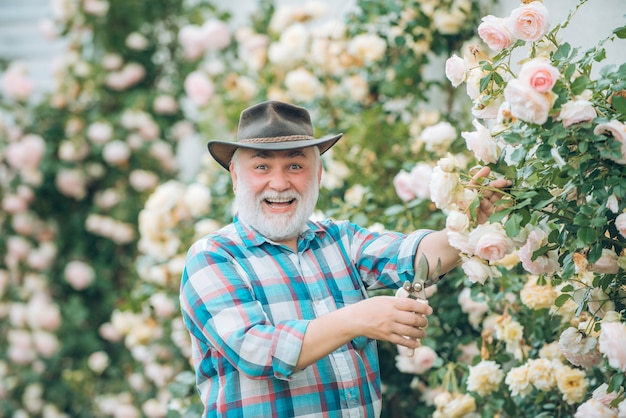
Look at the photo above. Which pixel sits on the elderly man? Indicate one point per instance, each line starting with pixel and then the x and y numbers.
pixel 276 305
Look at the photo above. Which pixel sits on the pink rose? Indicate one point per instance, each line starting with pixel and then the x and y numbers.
pixel 199 88
pixel 421 361
pixel 616 129
pixel 27 153
pixel 526 103
pixel 607 263
pixel 495 32
pixel 404 189
pixel 79 274
pixel 539 75
pixel 612 342
pixel 481 143
pixel 15 82
pixel 490 241
pixel 577 111
pixel 478 271
pixel 579 348
pixel 456 70
pixel 596 409
pixel 530 21
pixel 216 35
pixel 620 224
pixel 544 264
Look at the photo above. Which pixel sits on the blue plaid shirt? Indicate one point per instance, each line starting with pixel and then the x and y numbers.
pixel 247 303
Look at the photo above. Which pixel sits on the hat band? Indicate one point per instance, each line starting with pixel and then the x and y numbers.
pixel 288 138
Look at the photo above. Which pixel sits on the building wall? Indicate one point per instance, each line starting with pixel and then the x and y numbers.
pixel 21 39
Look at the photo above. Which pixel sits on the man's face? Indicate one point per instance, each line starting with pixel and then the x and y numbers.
pixel 276 191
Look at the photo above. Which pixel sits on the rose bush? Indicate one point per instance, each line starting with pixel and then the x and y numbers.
pixel 95 226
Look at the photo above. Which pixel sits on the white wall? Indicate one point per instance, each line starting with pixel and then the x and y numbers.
pixel 21 39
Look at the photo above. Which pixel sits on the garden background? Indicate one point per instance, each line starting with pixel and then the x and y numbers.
pixel 105 181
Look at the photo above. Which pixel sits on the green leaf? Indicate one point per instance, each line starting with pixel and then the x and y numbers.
pixel 619 104
pixel 561 299
pixel 580 84
pixel 620 32
pixel 586 235
pixel 562 52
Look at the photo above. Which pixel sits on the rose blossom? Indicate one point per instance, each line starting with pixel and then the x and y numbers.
pixel 15 82
pixel 495 32
pixel 439 136
pixel 620 224
pixel 79 274
pixel 544 264
pixel 165 105
pixel 72 183
pixel 594 408
pixel 607 263
pixel 136 41
pixel 481 143
pixel 617 130
pixel 216 35
pixel 199 88
pixel 485 377
pixel 421 361
pixel 454 405
pixel 579 348
pixel 572 383
pixel 116 153
pixel 478 271
pixel 302 85
pixel 541 374
pixel 27 153
pixel 530 21
pixel 518 381
pixel 526 103
pixel 367 47
pixel 539 75
pixel 612 342
pixel 100 132
pixel 537 297
pixel 490 241
pixel 456 70
pixel 443 187
pixel 577 111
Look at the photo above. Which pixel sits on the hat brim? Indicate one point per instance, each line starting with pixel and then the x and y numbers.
pixel 223 151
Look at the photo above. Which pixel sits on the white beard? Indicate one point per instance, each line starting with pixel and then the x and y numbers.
pixel 275 227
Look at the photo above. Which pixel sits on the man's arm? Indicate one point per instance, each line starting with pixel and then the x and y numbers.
pixel 435 246
pixel 384 318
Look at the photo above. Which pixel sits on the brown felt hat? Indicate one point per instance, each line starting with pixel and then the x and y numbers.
pixel 272 126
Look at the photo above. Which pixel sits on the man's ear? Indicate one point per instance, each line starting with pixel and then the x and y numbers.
pixel 233 175
pixel 320 169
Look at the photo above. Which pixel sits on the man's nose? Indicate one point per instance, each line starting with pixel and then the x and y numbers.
pixel 279 181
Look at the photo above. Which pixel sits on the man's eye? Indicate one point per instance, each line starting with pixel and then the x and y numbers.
pixel 295 166
pixel 261 167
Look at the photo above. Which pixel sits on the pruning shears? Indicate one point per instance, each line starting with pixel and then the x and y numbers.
pixel 417 288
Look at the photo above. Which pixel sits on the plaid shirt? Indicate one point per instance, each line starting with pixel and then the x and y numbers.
pixel 247 303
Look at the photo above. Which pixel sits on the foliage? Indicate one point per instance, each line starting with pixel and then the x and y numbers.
pixel 102 256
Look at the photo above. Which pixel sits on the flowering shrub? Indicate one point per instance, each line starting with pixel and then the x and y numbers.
pixel 95 228
pixel 557 131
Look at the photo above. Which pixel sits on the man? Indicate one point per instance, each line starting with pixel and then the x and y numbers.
pixel 275 304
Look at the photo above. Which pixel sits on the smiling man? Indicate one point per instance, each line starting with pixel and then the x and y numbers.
pixel 276 305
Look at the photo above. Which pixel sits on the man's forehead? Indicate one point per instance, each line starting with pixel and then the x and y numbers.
pixel 291 153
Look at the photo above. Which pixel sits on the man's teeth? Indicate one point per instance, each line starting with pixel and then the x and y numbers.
pixel 284 200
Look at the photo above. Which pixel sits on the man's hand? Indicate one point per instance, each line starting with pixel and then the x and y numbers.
pixel 400 321
pixel 489 196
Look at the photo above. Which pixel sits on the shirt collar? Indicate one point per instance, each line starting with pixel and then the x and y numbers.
pixel 250 237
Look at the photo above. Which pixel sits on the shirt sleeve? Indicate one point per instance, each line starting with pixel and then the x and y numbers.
pixel 220 309
pixel 384 260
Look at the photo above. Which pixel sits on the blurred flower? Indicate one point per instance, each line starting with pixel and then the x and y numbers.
pixel 15 82
pixel 572 383
pixel 422 360
pixel 612 342
pixel 199 88
pixel 579 348
pixel 79 274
